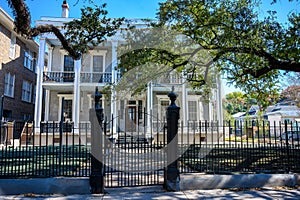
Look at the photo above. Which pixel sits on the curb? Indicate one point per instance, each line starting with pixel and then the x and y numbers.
pixel 59 185
pixel 243 181
pixel 189 181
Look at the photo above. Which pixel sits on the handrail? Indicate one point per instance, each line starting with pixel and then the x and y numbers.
pixel 59 76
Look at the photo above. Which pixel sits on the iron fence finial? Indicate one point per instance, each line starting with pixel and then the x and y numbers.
pixel 172 95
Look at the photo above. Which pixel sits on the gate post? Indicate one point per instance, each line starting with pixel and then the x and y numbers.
pixel 97 167
pixel 172 177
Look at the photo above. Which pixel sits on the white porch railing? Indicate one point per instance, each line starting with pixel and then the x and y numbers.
pixel 169 79
pixel 106 77
pixel 85 77
pixel 59 77
pixel 175 78
pixel 95 77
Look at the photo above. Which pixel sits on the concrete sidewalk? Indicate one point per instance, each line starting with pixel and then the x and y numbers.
pixel 156 192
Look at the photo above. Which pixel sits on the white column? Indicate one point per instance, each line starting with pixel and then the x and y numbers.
pixel 219 101
pixel 210 110
pixel 47 94
pixel 47 105
pixel 50 58
pixel 76 98
pixel 114 81
pixel 149 104
pixel 114 60
pixel 39 86
pixel 184 100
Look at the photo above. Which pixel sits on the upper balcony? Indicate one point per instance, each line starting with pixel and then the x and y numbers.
pixel 175 78
pixel 170 78
pixel 85 77
pixel 58 77
pixel 95 77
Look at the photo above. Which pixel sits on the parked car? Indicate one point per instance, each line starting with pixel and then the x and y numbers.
pixel 291 136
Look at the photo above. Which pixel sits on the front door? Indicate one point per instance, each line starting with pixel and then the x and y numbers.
pixel 131 118
pixel 68 110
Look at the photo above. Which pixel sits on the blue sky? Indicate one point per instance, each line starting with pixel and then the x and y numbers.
pixel 116 8
pixel 130 8
pixel 136 9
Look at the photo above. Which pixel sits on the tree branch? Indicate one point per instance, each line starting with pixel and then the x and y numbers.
pixel 274 64
pixel 22 26
pixel 50 28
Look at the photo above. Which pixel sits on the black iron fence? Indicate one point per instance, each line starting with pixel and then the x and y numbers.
pixel 51 152
pixel 210 147
pixel 134 155
pixel 240 147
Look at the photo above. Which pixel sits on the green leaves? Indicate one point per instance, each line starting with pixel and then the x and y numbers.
pixel 158 52
pixel 220 25
pixel 235 102
pixel 247 49
pixel 91 29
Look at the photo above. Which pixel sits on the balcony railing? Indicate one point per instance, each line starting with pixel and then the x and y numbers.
pixel 95 77
pixel 85 77
pixel 106 77
pixel 169 79
pixel 59 77
pixel 176 78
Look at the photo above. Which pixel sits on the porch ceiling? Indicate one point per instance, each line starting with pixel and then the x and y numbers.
pixel 51 39
pixel 91 87
pixel 59 87
pixel 54 42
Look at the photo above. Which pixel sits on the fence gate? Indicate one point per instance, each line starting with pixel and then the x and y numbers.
pixel 135 155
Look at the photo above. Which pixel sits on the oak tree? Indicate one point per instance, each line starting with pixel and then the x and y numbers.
pixel 248 49
pixel 92 28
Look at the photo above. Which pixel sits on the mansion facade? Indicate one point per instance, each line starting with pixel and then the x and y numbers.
pixel 74 81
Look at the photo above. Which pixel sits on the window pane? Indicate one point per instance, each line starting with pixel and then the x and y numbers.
pixel 68 64
pixel 69 69
pixel 26 91
pixel 25 59
pixel 9 84
pixel 68 110
pixel 192 108
pixel 140 109
pixel 97 63
pixel 34 94
pixel 28 60
pixel 6 89
pixel 122 109
pixel 163 105
pixel 12 49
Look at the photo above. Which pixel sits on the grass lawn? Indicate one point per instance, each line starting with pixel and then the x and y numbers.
pixel 42 161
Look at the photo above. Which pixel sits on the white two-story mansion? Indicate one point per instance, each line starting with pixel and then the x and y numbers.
pixel 76 80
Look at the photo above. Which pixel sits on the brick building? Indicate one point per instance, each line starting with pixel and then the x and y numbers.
pixel 17 71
